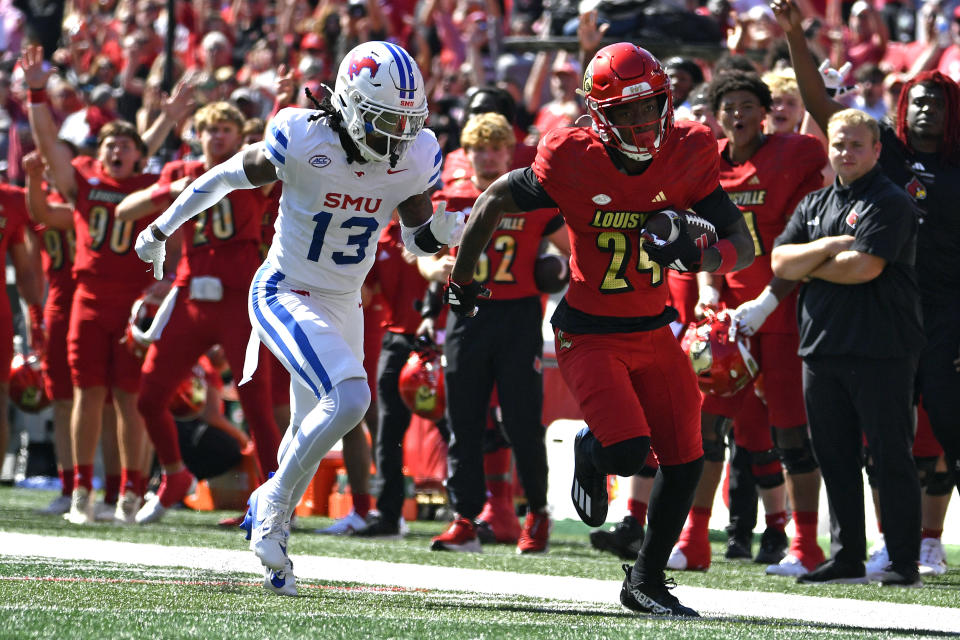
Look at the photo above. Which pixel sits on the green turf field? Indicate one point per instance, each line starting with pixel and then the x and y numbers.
pixel 79 599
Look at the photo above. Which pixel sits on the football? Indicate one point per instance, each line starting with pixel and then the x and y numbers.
pixel 664 227
pixel 551 273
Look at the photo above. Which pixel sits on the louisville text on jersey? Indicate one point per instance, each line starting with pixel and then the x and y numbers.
pixel 748 198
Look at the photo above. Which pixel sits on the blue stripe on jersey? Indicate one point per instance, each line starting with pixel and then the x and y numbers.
pixel 276 154
pixel 439 157
pixel 433 178
pixel 303 343
pixel 271 292
pixel 282 139
pixel 405 69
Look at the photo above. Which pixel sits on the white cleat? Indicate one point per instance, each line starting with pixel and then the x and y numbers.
pixel 57 507
pixel 151 511
pixel 677 560
pixel 267 529
pixel 281 582
pixel 345 525
pixel 790 566
pixel 81 507
pixel 127 507
pixel 933 559
pixel 103 512
pixel 879 558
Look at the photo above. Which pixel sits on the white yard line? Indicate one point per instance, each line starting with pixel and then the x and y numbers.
pixel 715 602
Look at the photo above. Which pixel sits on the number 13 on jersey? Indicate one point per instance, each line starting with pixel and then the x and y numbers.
pixel 359 240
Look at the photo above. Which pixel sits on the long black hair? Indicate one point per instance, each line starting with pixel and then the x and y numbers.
pixel 335 120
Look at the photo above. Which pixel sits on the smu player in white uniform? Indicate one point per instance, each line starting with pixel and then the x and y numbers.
pixel 345 169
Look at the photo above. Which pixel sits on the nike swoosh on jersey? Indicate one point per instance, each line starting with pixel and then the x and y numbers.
pixel 195 190
pixel 393 171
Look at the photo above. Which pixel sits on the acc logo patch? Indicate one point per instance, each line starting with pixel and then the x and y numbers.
pixel 319 161
pixel 601 199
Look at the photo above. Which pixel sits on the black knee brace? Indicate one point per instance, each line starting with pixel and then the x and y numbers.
pixel 766 468
pixel 624 458
pixel 647 472
pixel 715 429
pixel 926 467
pixel 793 446
pixel 940 483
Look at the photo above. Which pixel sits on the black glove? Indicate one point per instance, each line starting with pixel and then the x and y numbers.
pixel 462 298
pixel 682 254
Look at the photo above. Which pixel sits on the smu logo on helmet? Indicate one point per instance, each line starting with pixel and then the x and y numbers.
pixel 359 63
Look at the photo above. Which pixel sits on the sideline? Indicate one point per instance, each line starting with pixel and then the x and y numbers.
pixel 709 602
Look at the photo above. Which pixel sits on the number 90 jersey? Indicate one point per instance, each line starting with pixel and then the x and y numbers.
pixel 605 209
pixel 331 211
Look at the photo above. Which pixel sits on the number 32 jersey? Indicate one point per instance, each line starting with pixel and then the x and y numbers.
pixel 331 211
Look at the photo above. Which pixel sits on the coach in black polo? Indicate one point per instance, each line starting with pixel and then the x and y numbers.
pixel 854 244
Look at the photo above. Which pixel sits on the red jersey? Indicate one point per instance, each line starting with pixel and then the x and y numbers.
pixel 13 218
pixel 604 210
pixel 224 240
pixel 105 245
pixel 456 164
pixel 506 265
pixel 767 188
pixel 401 284
pixel 268 219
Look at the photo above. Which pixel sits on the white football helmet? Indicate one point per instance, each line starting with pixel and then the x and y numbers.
pixel 380 94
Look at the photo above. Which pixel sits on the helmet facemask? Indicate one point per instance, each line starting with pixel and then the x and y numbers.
pixel 643 138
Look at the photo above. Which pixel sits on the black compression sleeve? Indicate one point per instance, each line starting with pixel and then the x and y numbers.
pixel 527 191
pixel 718 209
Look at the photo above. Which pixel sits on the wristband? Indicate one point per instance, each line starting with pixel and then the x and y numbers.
pixel 157 234
pixel 728 256
pixel 36 96
pixel 160 195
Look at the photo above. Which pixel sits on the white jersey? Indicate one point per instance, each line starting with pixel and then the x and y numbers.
pixel 331 211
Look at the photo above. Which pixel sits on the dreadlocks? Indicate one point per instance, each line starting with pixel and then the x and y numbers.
pixel 950 149
pixel 335 120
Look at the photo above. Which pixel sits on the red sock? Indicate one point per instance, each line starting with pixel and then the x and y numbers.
pixel 700 520
pixel 498 464
pixel 806 524
pixel 83 476
pixel 66 482
pixel 931 533
pixel 638 510
pixel 777 521
pixel 111 488
pixel 131 480
pixel 361 504
pixel 174 487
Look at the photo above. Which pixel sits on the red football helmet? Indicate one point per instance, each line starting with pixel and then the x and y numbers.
pixel 191 395
pixel 421 384
pixel 27 389
pixel 142 313
pixel 622 73
pixel 723 366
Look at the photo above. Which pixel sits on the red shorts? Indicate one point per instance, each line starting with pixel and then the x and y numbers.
pixel 776 353
pixel 925 445
pixel 635 384
pixel 6 343
pixel 751 430
pixel 56 369
pixel 96 356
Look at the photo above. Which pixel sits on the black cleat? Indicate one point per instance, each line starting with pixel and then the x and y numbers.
pixel 738 549
pixel 836 572
pixel 773 547
pixel 379 527
pixel 589 491
pixel 622 539
pixel 652 597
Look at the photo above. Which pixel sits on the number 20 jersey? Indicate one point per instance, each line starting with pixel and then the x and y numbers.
pixel 332 211
pixel 605 209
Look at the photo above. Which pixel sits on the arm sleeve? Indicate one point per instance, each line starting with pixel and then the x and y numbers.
pixel 527 191
pixel 718 209
pixel 554 224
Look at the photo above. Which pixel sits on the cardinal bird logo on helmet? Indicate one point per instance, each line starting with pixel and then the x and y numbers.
pixel 358 63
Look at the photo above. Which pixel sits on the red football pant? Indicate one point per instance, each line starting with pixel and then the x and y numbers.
pixel 635 384
pixel 96 356
pixel 56 369
pixel 193 328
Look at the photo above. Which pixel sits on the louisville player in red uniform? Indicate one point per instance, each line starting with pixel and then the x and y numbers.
pixel 614 344
pixel 503 346
pixel 221 252
pixel 58 248
pixel 766 176
pixel 14 224
pixel 109 278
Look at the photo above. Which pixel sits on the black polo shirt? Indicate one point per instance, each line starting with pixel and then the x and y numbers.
pixel 876 319
pixel 934 186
